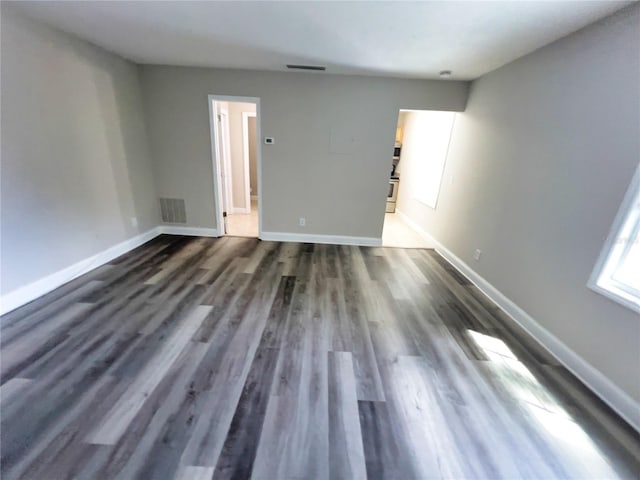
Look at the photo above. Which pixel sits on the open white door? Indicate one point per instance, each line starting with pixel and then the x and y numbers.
pixel 222 161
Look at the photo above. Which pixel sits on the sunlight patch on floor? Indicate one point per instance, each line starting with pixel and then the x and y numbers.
pixel 541 404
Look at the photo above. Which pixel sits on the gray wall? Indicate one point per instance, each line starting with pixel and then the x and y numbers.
pixel 75 161
pixel 333 142
pixel 538 165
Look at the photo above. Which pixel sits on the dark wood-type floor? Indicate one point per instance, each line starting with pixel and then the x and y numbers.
pixel 198 358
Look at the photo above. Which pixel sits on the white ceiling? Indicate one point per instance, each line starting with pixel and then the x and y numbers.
pixel 392 38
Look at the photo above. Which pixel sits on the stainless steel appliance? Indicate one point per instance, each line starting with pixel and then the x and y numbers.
pixel 394 181
pixel 397 147
pixel 396 158
pixel 392 195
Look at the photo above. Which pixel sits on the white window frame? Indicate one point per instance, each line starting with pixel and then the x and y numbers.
pixel 624 229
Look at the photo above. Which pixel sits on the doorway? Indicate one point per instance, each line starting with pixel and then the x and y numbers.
pixel 235 125
pixel 416 171
pixel 395 231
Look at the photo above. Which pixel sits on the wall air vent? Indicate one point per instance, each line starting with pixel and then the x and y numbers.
pixel 307 67
pixel 173 210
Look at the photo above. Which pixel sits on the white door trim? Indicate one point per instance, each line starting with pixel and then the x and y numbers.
pixel 217 187
pixel 226 156
pixel 215 159
pixel 245 156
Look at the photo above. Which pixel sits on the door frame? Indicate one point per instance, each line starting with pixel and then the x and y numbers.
pixel 245 155
pixel 215 160
pixel 224 149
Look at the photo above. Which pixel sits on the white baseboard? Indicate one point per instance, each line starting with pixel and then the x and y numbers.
pixel 416 228
pixel 604 388
pixel 189 231
pixel 30 292
pixel 330 239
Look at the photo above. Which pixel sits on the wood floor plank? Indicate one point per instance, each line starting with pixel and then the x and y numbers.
pixel 48 404
pixel 618 441
pixel 258 255
pixel 244 326
pixel 353 274
pixel 390 333
pixel 153 444
pixel 273 334
pixel 175 306
pixel 38 318
pixel 60 453
pixel 455 284
pixel 289 255
pixel 12 387
pixel 33 312
pixel 211 358
pixel 346 453
pixel 384 446
pixel 218 258
pixel 295 438
pixel 26 349
pixel 117 304
pixel 117 420
pixel 241 444
pixel 226 287
pixel 463 392
pixel 30 430
pixel 196 473
pixel 341 340
pixel 416 415
pixel 176 261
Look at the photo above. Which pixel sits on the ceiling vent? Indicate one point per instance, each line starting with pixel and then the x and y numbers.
pixel 307 67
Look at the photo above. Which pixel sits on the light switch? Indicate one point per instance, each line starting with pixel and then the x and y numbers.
pixel 269 140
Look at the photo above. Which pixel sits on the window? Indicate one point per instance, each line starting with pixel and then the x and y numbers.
pixel 617 273
pixel 429 133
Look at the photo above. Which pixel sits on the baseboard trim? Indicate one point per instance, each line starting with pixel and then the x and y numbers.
pixel 416 228
pixel 328 239
pixel 599 384
pixel 189 231
pixel 34 290
pixel 31 291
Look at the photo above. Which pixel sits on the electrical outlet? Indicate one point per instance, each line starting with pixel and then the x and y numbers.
pixel 134 222
pixel 477 254
pixel 302 221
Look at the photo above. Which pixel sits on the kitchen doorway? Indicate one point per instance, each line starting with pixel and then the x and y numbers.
pixel 235 145
pixel 398 230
